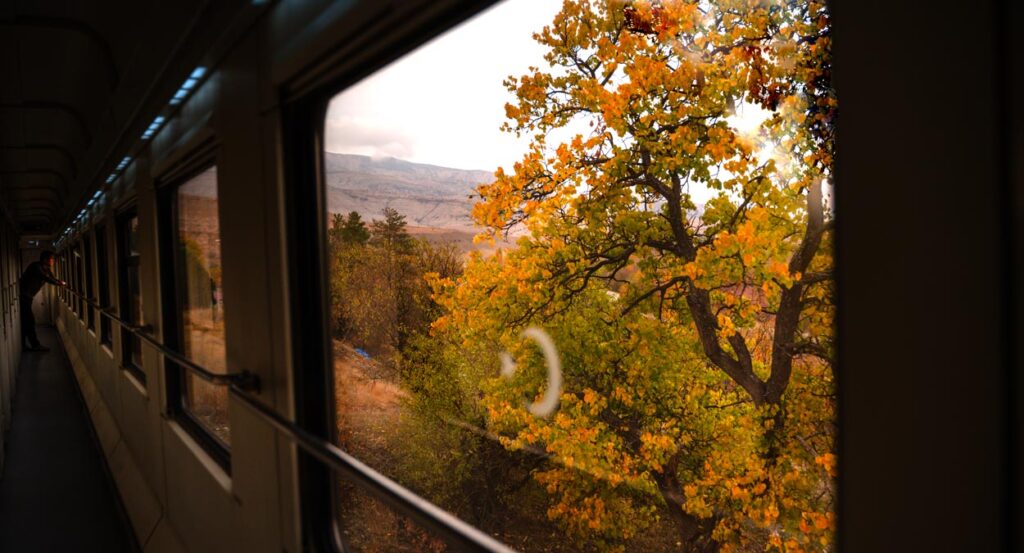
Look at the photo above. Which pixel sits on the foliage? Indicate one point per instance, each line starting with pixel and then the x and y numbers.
pixel 683 268
pixel 199 276
pixel 379 296
pixel 705 379
pixel 390 232
pixel 348 231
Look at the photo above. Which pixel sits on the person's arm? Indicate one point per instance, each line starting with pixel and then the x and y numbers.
pixel 48 277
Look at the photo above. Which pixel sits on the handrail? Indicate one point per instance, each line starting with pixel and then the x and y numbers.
pixel 447 526
pixel 245 380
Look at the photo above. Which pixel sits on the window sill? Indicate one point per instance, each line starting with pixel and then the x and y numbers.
pixel 209 463
pixel 129 374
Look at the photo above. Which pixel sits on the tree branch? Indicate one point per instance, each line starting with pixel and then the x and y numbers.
pixel 788 316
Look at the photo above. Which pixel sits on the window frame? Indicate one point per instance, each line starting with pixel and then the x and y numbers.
pixel 66 277
pixel 105 327
pixel 124 261
pixel 4 278
pixel 172 292
pixel 303 116
pixel 60 274
pixel 89 280
pixel 78 268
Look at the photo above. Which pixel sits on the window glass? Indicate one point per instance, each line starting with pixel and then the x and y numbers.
pixel 580 288
pixel 131 292
pixel 79 281
pixel 65 294
pixel 61 274
pixel 103 277
pixel 202 300
pixel 4 279
pixel 89 290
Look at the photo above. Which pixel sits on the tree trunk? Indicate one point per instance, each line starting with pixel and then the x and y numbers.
pixel 694 533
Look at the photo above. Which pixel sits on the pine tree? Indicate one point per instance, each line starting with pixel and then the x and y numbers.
pixel 390 233
pixel 354 231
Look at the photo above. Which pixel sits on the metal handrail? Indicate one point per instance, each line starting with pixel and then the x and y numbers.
pixel 449 527
pixel 446 525
pixel 245 380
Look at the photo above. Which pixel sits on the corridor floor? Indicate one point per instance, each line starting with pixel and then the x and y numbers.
pixel 55 493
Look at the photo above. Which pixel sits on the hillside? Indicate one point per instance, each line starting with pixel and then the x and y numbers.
pixel 428 195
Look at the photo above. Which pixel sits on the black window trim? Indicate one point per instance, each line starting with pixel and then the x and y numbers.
pixel 121 219
pixel 303 114
pixel 89 280
pixel 103 295
pixel 78 259
pixel 5 288
pixel 198 161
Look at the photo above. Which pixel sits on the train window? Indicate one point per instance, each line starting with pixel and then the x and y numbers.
pixel 103 278
pixel 130 288
pixel 5 290
pixel 71 278
pixel 8 296
pixel 64 275
pixel 59 271
pixel 7 279
pixel 68 297
pixel 73 282
pixel 60 274
pixel 79 280
pixel 87 256
pixel 580 288
pixel 200 306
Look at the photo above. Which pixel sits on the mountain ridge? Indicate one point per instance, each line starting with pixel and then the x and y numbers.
pixel 428 195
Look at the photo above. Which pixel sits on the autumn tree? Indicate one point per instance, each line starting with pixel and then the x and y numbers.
pixel 379 296
pixel 719 245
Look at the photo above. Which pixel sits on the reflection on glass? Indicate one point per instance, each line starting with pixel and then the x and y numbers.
pixel 202 300
pixel 103 274
pixel 132 296
pixel 89 293
pixel 135 310
pixel 79 285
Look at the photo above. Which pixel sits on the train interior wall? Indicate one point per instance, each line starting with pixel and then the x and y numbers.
pixel 10 328
pixel 177 497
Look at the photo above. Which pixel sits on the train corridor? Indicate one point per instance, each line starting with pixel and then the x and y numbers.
pixel 55 491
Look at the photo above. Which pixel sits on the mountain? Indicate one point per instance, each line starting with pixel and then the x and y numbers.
pixel 428 195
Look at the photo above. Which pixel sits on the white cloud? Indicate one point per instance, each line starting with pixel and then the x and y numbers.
pixel 354 135
pixel 444 103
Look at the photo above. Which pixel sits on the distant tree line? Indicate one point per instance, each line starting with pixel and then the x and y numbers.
pixel 379 293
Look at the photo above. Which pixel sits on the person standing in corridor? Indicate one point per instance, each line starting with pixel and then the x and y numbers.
pixel 32 280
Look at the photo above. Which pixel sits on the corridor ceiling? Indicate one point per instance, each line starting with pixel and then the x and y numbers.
pixel 78 80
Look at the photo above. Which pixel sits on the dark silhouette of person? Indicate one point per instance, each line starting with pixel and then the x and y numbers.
pixel 36 274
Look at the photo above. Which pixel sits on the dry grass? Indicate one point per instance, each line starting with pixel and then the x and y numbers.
pixel 368 404
pixel 369 410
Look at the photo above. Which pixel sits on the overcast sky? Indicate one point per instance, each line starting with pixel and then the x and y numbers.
pixel 444 103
